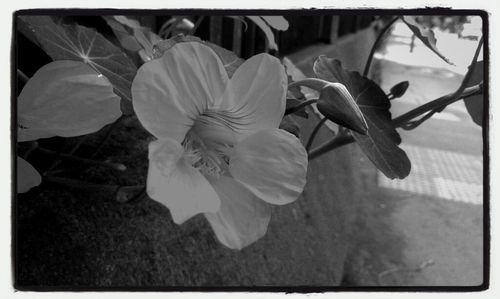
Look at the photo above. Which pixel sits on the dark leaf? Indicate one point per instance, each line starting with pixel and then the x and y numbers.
pixel 336 103
pixel 380 143
pixel 75 42
pixel 426 35
pixel 230 60
pixel 474 104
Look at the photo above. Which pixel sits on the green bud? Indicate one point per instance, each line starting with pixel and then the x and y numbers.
pixel 399 89
pixel 336 103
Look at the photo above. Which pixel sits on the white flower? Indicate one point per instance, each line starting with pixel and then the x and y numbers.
pixel 63 98
pixel 219 150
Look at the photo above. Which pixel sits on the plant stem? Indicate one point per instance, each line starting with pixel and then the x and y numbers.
pixel 443 101
pixel 314 133
pixel 196 25
pixel 111 129
pixel 71 152
pixel 435 104
pixel 376 44
pixel 300 106
pixel 115 166
pixel 334 143
pixel 313 83
pixel 90 186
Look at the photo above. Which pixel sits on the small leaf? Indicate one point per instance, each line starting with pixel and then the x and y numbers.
pixel 277 22
pixel 239 19
pixel 266 29
pixel 380 142
pixel 336 104
pixel 475 104
pixel 27 176
pixel 426 35
pixel 229 59
pixel 127 40
pixel 65 98
pixel 75 42
pixel 143 36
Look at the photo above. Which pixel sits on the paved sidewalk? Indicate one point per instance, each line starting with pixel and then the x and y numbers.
pixel 440 212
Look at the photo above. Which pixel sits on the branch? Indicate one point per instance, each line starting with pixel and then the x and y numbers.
pixel 314 133
pixel 115 166
pixel 300 106
pixel 435 104
pixel 376 44
pixel 122 193
pixel 342 140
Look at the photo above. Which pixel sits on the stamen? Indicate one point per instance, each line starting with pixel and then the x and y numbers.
pixel 208 157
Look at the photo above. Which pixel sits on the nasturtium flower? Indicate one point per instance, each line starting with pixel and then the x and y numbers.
pixel 218 150
pixel 63 98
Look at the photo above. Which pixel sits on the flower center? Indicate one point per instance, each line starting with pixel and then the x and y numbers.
pixel 207 145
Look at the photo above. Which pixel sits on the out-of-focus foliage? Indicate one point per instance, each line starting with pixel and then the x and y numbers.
pixel 425 34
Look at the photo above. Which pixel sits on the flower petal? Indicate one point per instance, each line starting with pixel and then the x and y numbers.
pixel 242 218
pixel 176 184
pixel 272 164
pixel 27 176
pixel 65 98
pixel 255 98
pixel 170 92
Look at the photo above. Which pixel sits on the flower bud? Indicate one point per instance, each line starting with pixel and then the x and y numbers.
pixel 399 89
pixel 337 105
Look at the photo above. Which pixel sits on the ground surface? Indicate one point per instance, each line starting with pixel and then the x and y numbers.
pixel 426 230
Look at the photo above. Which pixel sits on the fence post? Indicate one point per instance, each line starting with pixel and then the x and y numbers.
pixel 334 31
pixel 237 26
pixel 216 30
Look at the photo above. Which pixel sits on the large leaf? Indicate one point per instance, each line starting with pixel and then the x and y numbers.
pixel 229 59
pixel 65 98
pixel 380 142
pixel 475 104
pixel 75 42
pixel 426 35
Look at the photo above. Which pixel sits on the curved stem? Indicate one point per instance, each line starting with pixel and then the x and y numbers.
pixel 71 152
pixel 313 83
pixel 435 104
pixel 115 166
pixel 341 140
pixel 314 133
pixel 89 186
pixel 334 143
pixel 196 25
pixel 111 129
pixel 376 44
pixel 300 106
